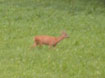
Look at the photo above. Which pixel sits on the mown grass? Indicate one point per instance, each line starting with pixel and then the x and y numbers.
pixel 80 56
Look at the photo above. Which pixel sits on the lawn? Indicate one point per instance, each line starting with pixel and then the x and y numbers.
pixel 82 55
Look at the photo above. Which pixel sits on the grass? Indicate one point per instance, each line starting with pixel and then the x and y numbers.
pixel 80 56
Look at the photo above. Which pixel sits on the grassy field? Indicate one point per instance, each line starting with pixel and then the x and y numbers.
pixel 80 56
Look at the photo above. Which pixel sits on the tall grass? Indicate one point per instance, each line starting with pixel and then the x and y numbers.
pixel 80 56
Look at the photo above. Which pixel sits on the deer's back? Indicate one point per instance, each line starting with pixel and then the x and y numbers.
pixel 46 39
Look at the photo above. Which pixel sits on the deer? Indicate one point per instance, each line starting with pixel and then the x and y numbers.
pixel 51 41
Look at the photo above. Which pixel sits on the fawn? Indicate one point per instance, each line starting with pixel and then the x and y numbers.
pixel 51 41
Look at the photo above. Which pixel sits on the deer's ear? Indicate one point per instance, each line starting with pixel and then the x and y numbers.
pixel 63 32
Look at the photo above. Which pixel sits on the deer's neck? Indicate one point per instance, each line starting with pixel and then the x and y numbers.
pixel 59 39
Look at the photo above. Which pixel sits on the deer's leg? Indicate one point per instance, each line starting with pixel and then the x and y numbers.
pixel 54 45
pixel 51 45
pixel 34 45
pixel 40 43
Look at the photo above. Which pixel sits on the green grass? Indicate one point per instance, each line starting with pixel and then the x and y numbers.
pixel 80 56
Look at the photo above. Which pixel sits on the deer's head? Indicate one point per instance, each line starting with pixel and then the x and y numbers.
pixel 65 35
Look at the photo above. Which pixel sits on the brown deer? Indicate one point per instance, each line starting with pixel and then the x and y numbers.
pixel 51 41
